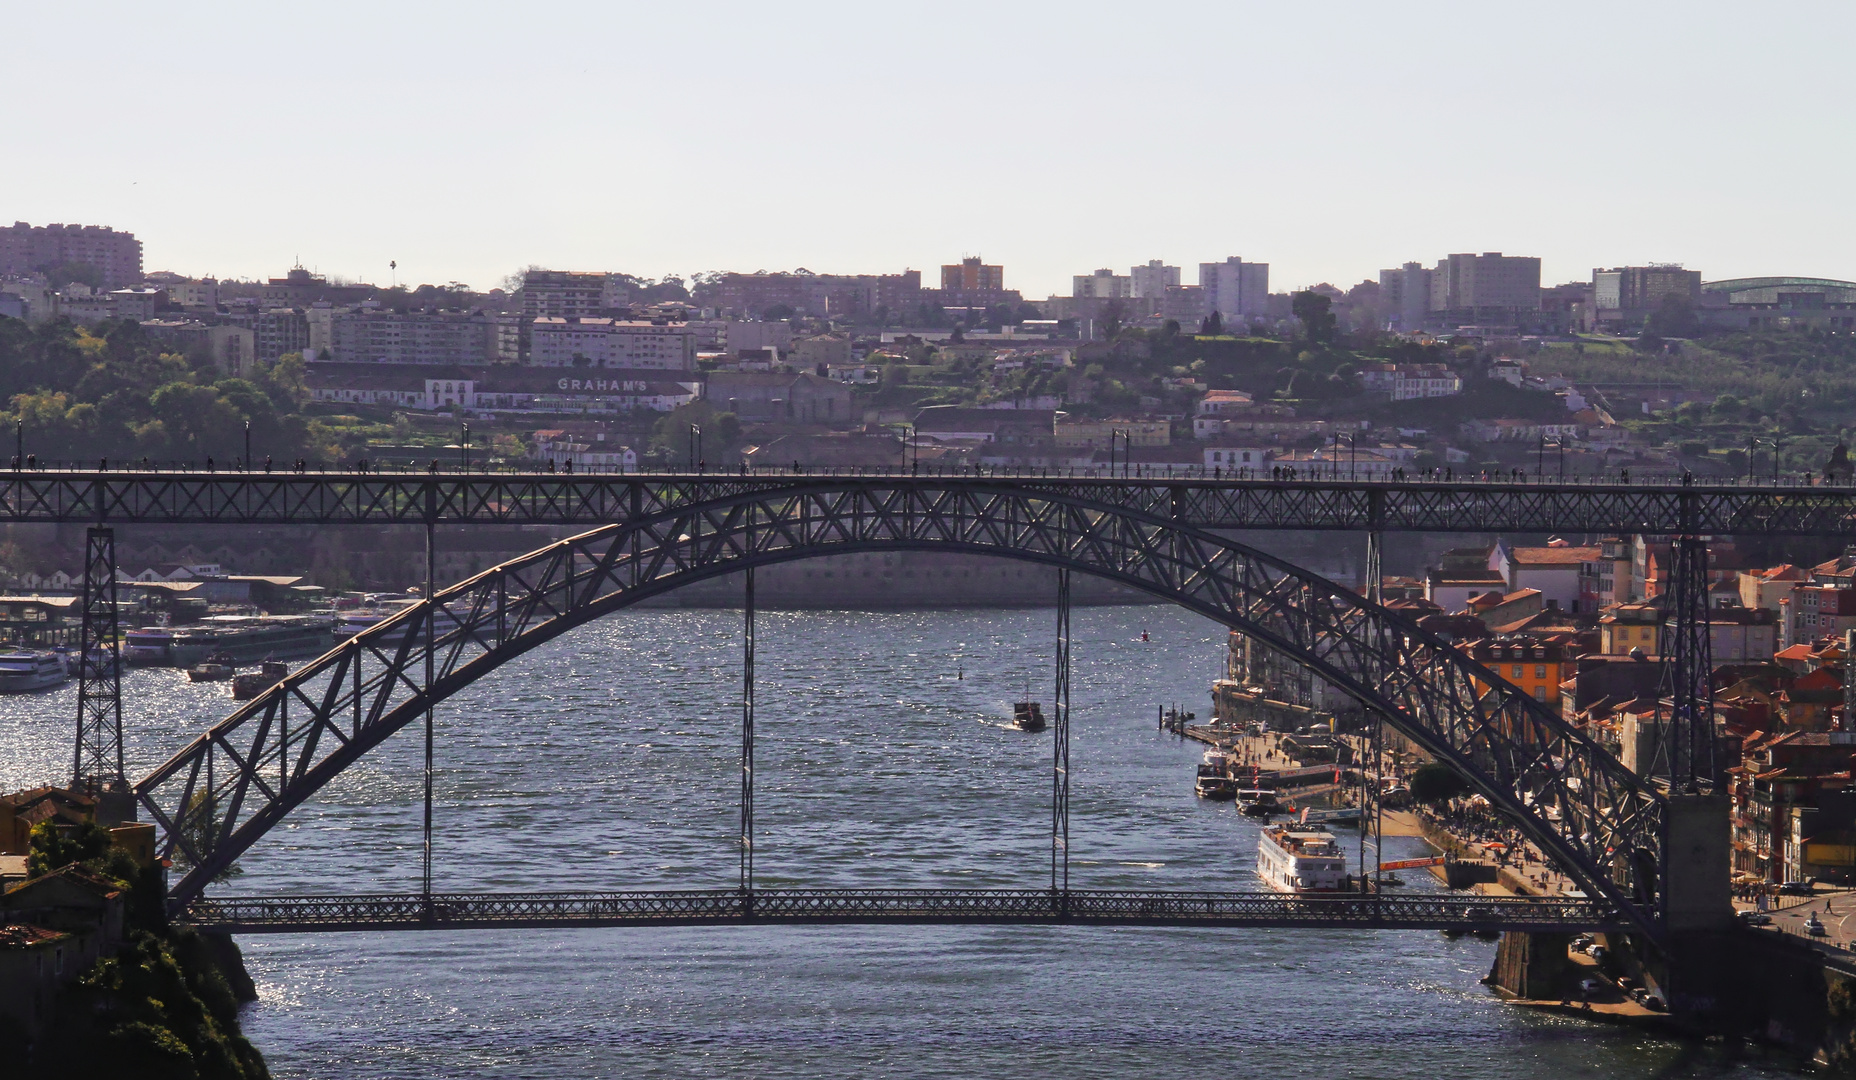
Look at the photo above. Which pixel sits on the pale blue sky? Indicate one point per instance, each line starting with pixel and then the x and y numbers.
pixel 467 140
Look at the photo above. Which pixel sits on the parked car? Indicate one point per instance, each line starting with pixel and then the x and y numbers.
pixel 1755 918
pixel 1592 984
pixel 1797 888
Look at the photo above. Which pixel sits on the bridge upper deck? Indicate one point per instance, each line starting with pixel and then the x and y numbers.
pixel 1586 505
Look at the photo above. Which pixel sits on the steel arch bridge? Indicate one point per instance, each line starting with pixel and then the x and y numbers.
pixel 233 783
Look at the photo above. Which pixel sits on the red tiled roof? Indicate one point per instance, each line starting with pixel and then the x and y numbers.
pixel 1552 556
pixel 26 935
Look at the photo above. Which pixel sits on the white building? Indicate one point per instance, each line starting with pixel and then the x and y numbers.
pixel 1151 282
pixel 1237 290
pixel 612 343
pixel 1405 296
pixel 1553 569
pixel 1406 382
pixel 1104 284
pixel 1236 457
pixel 565 448
pixel 502 388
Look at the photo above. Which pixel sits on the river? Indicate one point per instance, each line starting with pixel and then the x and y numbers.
pixel 608 760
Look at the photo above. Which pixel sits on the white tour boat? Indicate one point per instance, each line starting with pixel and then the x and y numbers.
pixel 1301 859
pixel 23 671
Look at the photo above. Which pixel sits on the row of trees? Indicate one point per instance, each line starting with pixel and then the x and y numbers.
pixel 111 392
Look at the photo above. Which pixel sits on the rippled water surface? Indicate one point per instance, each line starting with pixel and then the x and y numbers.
pixel 608 760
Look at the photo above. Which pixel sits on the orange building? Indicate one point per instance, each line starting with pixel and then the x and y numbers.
pixel 972 275
pixel 1536 667
pixel 1624 627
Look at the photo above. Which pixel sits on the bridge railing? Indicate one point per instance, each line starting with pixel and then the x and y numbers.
pixel 1134 907
pixel 1325 472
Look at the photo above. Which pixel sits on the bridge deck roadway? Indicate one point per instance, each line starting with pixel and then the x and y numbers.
pixel 1587 505
pixel 722 907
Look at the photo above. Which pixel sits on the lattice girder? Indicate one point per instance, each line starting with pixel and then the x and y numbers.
pixel 221 793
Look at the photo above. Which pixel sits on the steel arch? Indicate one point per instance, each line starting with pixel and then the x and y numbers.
pixel 237 780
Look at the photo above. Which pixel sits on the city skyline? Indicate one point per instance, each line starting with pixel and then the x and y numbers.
pixel 746 140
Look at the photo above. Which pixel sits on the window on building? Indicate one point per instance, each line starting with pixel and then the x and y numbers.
pixel 1540 671
pixel 1517 671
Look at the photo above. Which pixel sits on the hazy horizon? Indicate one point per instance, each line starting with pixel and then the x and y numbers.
pixel 469 143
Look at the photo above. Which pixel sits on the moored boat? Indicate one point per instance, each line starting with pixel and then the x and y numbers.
pixel 247 639
pixel 1301 859
pixel 23 671
pixel 360 620
pixel 1213 784
pixel 1259 802
pixel 147 645
pixel 102 660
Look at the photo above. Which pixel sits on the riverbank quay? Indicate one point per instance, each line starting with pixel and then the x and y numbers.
pixel 1778 985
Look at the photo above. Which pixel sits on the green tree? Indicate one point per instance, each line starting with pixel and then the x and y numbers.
pixel 1434 783
pixel 721 431
pixel 50 847
pixel 1312 309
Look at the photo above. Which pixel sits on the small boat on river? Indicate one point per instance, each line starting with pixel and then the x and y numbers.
pixel 1028 716
pixel 250 685
pixel 215 668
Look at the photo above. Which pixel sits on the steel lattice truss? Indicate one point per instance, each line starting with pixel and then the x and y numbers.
pixel 221 793
pixel 553 499
pixel 460 911
pixel 97 764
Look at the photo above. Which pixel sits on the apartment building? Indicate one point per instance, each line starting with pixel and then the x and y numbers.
pixel 1405 296
pixel 229 348
pixel 566 294
pixel 1819 611
pixel 1623 297
pixel 275 332
pixel 26 249
pixel 612 343
pixel 1536 666
pixel 1104 284
pixel 1490 289
pixel 972 274
pixel 1237 290
pixel 1150 282
pixel 1082 432
pixel 390 337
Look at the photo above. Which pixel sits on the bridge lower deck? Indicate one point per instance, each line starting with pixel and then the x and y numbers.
pixel 724 907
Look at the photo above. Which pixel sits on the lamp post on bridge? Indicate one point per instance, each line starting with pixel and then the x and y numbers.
pixel 464 444
pixel 248 444
pixel 695 444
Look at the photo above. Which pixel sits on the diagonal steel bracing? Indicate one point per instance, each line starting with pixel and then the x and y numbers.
pixel 1574 799
pixel 1592 505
